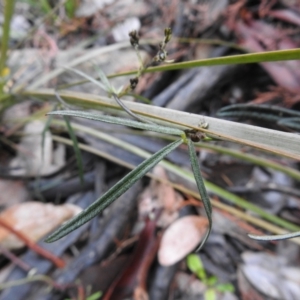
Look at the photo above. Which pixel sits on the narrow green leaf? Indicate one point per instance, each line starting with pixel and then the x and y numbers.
pixel 117 120
pixel 106 86
pixel 113 193
pixel 104 79
pixel 61 100
pixel 90 78
pixel 266 56
pixel 76 149
pixel 132 114
pixel 201 188
pixel 275 237
pixel 8 11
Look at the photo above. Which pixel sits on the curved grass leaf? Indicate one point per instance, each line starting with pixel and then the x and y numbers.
pixel 135 116
pixel 106 86
pixel 113 193
pixel 201 188
pixel 90 78
pixel 275 237
pixel 64 104
pixel 117 120
pixel 104 79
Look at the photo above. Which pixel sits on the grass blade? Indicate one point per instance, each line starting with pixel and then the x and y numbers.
pixel 104 79
pixel 90 78
pixel 261 138
pixel 106 86
pixel 275 237
pixel 8 13
pixel 117 120
pixel 113 193
pixel 76 149
pixel 135 116
pixel 258 57
pixel 202 190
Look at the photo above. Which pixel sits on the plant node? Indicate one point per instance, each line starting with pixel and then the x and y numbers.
pixel 194 135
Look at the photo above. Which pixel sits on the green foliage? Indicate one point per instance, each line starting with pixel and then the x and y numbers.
pixel 201 187
pixel 195 265
pixel 95 296
pixel 46 7
pixel 225 287
pixel 71 6
pixel 8 13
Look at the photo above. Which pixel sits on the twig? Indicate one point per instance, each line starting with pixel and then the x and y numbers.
pixel 13 258
pixel 32 245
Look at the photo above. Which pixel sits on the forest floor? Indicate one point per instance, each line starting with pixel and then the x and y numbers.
pixel 143 245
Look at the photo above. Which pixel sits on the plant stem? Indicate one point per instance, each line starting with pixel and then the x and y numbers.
pixel 8 12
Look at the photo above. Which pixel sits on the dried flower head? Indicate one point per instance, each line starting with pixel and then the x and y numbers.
pixel 133 82
pixel 168 35
pixel 134 38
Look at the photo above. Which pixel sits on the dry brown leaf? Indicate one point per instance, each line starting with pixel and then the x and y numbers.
pixel 164 192
pixel 33 219
pixel 34 159
pixel 160 196
pixel 181 238
pixel 12 192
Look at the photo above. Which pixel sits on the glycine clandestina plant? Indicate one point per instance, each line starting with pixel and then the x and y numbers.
pixel 187 136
